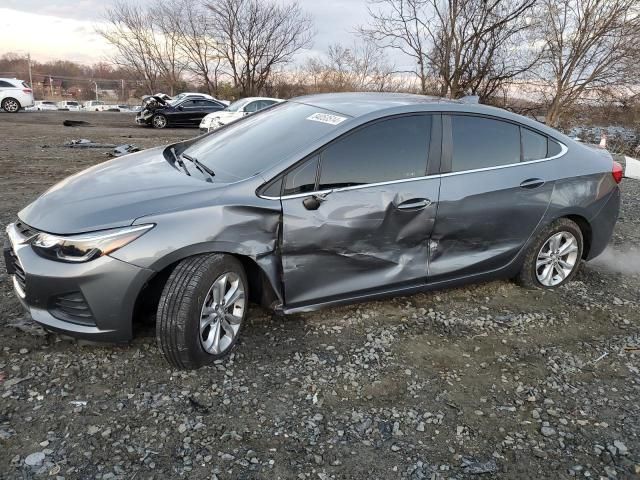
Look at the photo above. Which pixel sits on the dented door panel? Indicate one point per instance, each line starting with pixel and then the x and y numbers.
pixel 358 240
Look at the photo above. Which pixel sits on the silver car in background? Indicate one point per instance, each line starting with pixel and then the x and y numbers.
pixel 235 111
pixel 317 201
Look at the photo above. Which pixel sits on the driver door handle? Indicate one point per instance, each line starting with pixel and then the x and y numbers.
pixel 532 183
pixel 414 204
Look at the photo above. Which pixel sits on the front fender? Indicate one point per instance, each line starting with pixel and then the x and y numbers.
pixel 244 230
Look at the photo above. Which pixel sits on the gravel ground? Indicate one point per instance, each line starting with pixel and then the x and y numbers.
pixel 489 380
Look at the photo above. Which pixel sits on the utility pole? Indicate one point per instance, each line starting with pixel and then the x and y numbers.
pixel 51 85
pixel 30 78
pixel 96 84
pixel 123 99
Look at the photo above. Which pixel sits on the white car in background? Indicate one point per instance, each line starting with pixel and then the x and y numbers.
pixel 235 111
pixel 93 106
pixel 15 94
pixel 70 105
pixel 42 105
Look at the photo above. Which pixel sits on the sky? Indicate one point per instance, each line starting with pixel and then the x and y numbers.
pixel 65 29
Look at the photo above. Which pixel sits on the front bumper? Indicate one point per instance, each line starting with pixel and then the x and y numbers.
pixel 144 117
pixel 93 300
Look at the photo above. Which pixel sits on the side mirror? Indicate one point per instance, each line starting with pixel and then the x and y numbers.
pixel 180 107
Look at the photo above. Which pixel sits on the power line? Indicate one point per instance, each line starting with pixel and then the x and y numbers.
pixel 65 77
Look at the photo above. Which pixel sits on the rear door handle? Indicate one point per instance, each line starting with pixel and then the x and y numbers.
pixel 414 204
pixel 532 183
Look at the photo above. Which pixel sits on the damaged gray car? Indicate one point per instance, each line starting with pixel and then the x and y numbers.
pixel 317 201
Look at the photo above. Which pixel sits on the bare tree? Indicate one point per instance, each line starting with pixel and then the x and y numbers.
pixel 197 42
pixel 128 30
pixel 256 37
pixel 467 45
pixel 146 41
pixel 360 67
pixel 166 50
pixel 589 45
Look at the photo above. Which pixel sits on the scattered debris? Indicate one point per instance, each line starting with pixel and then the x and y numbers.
pixel 474 467
pixel 76 123
pixel 86 143
pixel 78 403
pixel 121 150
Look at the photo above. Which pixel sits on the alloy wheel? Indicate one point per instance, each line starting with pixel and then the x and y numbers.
pixel 556 259
pixel 11 106
pixel 222 313
pixel 159 121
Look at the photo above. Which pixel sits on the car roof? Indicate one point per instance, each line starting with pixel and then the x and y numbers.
pixel 356 104
pixel 375 104
pixel 253 99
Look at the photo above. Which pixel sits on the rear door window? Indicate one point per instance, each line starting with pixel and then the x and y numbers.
pixel 4 84
pixel 481 142
pixel 534 145
pixel 387 150
pixel 252 107
pixel 553 148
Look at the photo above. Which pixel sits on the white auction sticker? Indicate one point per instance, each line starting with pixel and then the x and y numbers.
pixel 326 118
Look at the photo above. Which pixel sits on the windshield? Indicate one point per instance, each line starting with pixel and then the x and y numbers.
pixel 48 103
pixel 260 141
pixel 176 99
pixel 237 105
pixel 72 103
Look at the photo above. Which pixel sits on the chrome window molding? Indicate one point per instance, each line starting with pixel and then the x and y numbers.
pixel 563 151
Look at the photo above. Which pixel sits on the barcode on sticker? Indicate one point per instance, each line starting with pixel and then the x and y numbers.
pixel 326 118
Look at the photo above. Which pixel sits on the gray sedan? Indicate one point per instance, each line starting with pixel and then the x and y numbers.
pixel 317 201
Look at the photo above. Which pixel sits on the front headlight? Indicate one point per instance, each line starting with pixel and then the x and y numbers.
pixel 205 122
pixel 86 246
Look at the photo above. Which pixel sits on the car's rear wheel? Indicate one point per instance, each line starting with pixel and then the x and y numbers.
pixel 554 256
pixel 159 121
pixel 10 105
pixel 201 310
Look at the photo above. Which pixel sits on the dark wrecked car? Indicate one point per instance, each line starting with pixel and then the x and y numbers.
pixel 160 112
pixel 318 201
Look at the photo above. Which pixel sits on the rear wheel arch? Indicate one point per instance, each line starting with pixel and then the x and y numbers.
pixel 585 228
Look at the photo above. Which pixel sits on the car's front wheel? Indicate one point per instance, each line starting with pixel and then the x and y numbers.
pixel 159 121
pixel 10 105
pixel 201 310
pixel 554 256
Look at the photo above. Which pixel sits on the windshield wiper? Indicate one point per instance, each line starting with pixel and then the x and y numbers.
pixel 179 161
pixel 199 165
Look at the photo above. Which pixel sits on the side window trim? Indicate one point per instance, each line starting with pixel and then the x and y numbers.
pixel 447 145
pixel 435 137
pixel 435 146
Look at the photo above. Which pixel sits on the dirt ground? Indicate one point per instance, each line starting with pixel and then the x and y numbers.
pixel 490 380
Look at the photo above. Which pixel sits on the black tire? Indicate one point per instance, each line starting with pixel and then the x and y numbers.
pixel 159 121
pixel 180 308
pixel 10 105
pixel 527 276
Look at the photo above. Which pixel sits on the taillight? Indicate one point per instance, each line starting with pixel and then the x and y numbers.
pixel 617 172
pixel 27 90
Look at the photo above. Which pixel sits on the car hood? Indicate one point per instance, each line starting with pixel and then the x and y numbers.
pixel 225 116
pixel 115 193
